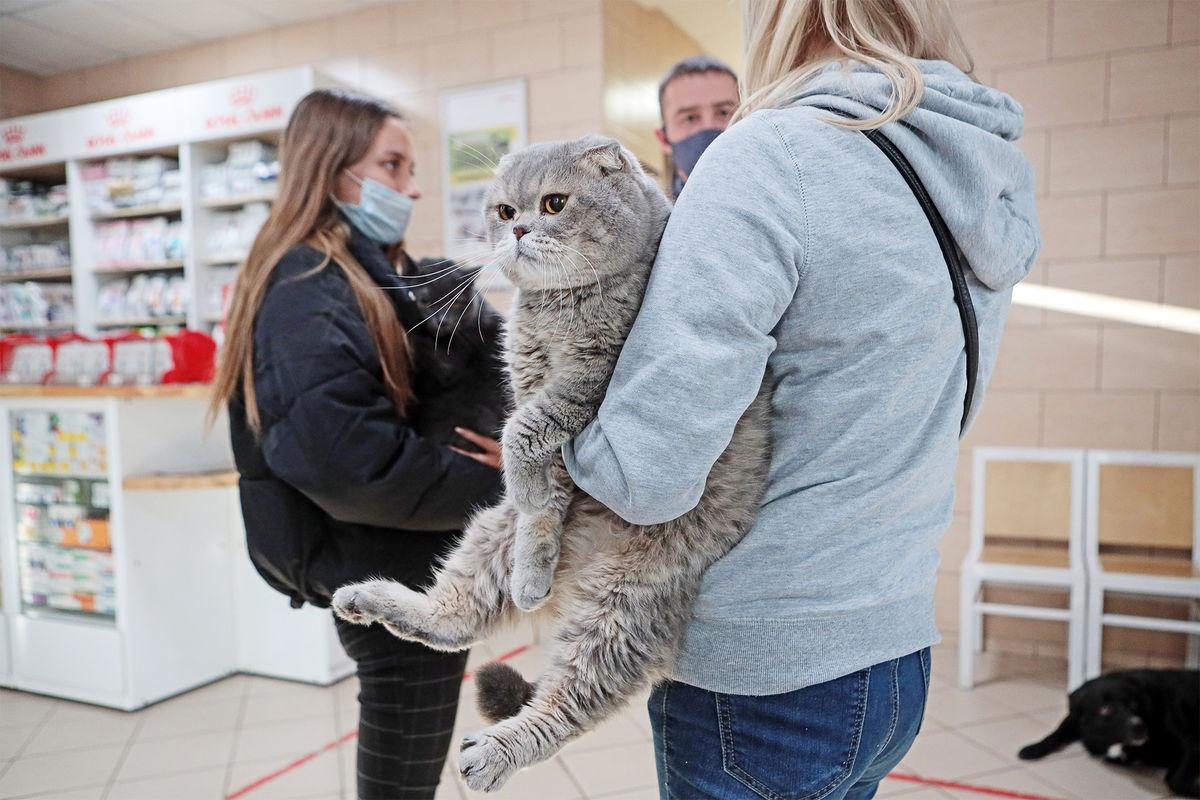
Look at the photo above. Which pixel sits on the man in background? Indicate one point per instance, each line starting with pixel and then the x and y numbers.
pixel 696 98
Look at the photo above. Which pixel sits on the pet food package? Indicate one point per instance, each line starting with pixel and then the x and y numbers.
pixel 26 201
pixel 25 359
pixel 59 443
pixel 80 361
pixel 37 305
pixel 120 183
pixel 250 168
pixel 49 255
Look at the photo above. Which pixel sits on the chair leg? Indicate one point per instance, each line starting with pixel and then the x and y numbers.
pixel 1095 631
pixel 1078 654
pixel 968 620
pixel 1193 640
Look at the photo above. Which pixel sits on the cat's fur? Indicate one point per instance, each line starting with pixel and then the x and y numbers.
pixel 458 355
pixel 622 593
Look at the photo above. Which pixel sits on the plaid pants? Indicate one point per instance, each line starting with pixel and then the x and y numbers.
pixel 408 697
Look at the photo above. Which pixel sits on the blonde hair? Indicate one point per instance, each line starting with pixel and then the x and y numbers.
pixel 329 130
pixel 790 41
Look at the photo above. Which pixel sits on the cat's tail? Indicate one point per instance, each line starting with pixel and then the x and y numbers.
pixel 500 692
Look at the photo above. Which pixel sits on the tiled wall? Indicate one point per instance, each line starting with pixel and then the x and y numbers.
pixel 1111 91
pixel 639 47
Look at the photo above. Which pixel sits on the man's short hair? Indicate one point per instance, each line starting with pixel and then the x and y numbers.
pixel 695 65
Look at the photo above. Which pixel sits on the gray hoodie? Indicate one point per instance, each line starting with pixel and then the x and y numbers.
pixel 798 245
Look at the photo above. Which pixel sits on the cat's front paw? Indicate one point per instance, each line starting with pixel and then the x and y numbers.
pixel 484 764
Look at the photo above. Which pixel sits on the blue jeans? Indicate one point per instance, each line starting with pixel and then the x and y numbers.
pixel 833 741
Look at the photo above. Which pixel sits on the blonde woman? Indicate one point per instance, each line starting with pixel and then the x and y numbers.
pixel 798 244
pixel 335 485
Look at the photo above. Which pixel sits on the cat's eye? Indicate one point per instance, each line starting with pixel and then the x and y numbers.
pixel 506 212
pixel 554 203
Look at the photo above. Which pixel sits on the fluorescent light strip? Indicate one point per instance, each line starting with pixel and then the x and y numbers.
pixel 1119 309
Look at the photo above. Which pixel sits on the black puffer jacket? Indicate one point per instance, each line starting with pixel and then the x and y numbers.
pixel 339 488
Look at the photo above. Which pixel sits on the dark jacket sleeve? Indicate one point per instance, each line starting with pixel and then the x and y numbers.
pixel 330 429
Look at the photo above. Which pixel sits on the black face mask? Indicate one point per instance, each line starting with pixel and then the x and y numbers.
pixel 687 151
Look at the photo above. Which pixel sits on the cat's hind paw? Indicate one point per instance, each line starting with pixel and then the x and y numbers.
pixel 360 603
pixel 530 586
pixel 484 764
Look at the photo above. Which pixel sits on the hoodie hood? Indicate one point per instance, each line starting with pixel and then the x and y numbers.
pixel 959 139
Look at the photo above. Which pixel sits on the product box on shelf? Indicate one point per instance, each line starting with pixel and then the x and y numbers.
pixel 251 169
pixel 54 254
pixel 25 359
pixel 126 182
pixel 71 443
pixel 28 201
pixel 37 305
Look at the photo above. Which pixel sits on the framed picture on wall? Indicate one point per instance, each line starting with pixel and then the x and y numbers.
pixel 480 124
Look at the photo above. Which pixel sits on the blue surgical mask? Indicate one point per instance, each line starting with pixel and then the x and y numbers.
pixel 381 214
pixel 687 151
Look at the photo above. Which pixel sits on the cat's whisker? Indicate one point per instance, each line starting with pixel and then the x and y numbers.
pixel 462 314
pixel 465 285
pixel 588 261
pixel 437 310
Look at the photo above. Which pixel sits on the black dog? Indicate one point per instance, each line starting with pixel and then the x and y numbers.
pixel 1146 716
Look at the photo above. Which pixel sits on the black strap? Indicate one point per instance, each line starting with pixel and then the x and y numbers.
pixel 954 259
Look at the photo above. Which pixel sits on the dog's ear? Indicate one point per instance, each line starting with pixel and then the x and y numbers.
pixel 1066 732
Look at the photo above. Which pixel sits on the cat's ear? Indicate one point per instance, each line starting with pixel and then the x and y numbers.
pixel 609 156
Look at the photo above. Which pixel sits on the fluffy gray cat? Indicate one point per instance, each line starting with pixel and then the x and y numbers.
pixel 575 226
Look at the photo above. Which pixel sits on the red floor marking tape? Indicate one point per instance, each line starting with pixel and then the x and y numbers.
pixel 966 787
pixel 309 757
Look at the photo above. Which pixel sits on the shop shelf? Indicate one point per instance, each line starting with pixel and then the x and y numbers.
pixel 38 326
pixel 139 211
pixel 225 258
pixel 85 617
pixel 240 200
pixel 41 543
pixel 66 476
pixel 43 274
pixel 36 222
pixel 151 267
pixel 140 322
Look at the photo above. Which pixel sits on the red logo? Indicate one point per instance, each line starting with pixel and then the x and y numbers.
pixel 242 95
pixel 14 135
pixel 118 116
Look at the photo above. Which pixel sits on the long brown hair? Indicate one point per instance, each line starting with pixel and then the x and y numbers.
pixel 329 130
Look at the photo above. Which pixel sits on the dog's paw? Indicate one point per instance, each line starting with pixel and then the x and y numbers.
pixel 361 603
pixel 484 764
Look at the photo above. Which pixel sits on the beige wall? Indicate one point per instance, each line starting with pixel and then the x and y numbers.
pixel 639 47
pixel 1111 92
pixel 20 93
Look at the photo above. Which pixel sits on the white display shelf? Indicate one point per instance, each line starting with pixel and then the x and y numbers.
pixel 141 322
pixel 124 269
pixel 193 124
pixel 47 274
pixel 37 222
pixel 167 210
pixel 170 550
pixel 235 202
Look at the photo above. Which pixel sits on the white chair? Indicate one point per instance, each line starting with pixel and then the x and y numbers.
pixel 1142 537
pixel 1026 530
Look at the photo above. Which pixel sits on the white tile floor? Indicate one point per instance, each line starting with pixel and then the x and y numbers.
pixel 218 740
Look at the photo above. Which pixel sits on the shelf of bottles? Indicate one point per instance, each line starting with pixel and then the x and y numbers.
pixel 61 493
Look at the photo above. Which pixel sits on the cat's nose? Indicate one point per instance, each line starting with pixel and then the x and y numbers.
pixel 520 231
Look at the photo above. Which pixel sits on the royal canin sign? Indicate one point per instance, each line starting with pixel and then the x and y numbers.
pixel 234 107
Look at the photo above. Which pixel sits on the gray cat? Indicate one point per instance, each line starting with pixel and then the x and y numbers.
pixel 575 226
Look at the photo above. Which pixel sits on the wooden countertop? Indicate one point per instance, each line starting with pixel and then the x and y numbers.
pixel 168 390
pixel 204 480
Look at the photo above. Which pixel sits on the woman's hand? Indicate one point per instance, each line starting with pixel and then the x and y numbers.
pixel 490 447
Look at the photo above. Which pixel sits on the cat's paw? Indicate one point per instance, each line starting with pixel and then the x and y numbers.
pixel 484 764
pixel 530 586
pixel 361 603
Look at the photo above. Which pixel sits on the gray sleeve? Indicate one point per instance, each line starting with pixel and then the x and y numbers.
pixel 728 266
